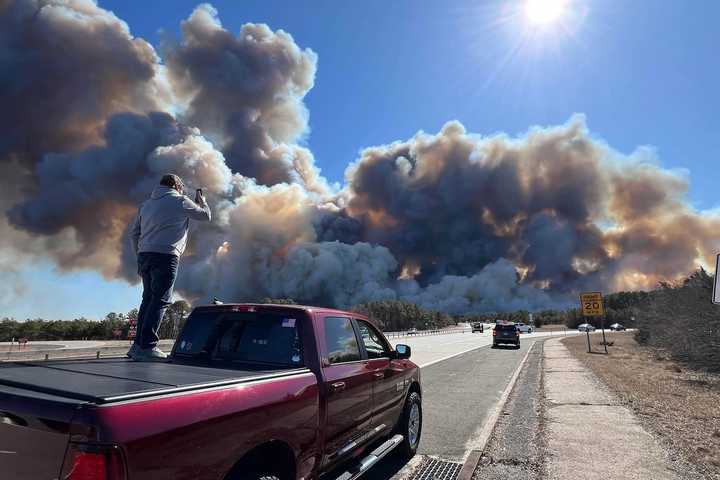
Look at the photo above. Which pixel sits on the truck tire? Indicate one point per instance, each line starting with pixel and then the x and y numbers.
pixel 410 426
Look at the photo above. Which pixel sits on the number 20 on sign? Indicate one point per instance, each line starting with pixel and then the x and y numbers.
pixel 592 304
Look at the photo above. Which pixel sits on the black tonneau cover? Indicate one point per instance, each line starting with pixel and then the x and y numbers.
pixel 117 379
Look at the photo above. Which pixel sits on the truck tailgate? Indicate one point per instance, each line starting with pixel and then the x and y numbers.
pixel 34 432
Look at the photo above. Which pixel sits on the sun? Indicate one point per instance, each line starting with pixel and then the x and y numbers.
pixel 543 12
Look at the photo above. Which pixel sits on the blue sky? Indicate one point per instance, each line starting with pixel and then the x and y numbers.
pixel 643 73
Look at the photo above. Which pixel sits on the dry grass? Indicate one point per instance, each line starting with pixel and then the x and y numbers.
pixel 680 406
pixel 552 328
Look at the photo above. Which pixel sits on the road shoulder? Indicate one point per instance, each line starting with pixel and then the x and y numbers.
pixel 515 450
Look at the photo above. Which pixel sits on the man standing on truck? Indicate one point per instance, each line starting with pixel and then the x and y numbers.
pixel 158 236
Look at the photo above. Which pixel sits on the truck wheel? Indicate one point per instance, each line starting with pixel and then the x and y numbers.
pixel 411 425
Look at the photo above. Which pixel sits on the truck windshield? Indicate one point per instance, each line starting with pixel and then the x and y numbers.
pixel 246 337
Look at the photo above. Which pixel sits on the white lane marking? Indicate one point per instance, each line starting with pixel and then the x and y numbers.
pixel 452 355
pixel 479 441
pixel 448 357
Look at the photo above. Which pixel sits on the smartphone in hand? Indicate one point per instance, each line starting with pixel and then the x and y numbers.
pixel 198 195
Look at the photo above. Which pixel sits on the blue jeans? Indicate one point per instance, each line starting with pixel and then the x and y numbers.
pixel 158 272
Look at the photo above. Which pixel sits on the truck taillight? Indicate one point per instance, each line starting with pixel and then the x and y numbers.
pixel 93 462
pixel 494 332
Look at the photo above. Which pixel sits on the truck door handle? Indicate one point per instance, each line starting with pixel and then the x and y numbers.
pixel 338 386
pixel 379 375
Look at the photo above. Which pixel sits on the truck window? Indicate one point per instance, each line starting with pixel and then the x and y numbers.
pixel 267 339
pixel 340 340
pixel 374 345
pixel 247 337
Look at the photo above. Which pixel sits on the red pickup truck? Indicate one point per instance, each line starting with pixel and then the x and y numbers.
pixel 271 392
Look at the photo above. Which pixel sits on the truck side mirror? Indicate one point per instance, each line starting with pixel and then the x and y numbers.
pixel 402 351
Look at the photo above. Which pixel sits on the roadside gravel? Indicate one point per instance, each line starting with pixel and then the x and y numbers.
pixel 515 448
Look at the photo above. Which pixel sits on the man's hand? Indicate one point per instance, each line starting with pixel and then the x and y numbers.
pixel 197 210
pixel 199 198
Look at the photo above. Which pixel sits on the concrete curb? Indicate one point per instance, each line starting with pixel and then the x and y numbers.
pixel 472 457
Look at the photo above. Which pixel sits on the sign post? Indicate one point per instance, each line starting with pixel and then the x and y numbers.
pixel 716 283
pixel 591 304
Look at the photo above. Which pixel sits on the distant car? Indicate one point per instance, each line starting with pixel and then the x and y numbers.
pixel 586 327
pixel 478 327
pixel 412 331
pixel 524 328
pixel 506 333
pixel 617 327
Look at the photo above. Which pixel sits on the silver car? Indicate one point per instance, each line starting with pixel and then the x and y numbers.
pixel 586 327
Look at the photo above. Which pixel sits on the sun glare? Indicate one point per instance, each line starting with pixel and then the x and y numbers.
pixel 542 12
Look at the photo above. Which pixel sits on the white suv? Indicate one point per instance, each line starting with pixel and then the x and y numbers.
pixel 522 328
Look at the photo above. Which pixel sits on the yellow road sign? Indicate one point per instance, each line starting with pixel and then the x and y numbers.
pixel 591 304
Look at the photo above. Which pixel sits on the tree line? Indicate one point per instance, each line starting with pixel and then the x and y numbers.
pixel 394 315
pixel 398 315
pixel 679 320
pixel 390 315
pixel 675 318
pixel 113 326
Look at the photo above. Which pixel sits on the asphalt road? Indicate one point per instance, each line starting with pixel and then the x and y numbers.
pixel 463 379
pixel 459 393
pixel 436 348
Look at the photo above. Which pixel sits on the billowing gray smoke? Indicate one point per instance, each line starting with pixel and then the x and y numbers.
pixel 453 221
pixel 246 93
pixel 569 212
pixel 66 66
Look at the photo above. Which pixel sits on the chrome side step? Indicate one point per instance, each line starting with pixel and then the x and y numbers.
pixel 359 441
pixel 370 460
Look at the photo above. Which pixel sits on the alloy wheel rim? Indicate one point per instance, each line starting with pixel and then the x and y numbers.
pixel 414 424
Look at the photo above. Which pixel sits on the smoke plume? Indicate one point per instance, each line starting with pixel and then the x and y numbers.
pixel 452 221
pixel 246 92
pixel 568 211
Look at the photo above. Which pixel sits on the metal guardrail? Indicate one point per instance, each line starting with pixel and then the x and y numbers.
pixel 423 333
pixel 74 353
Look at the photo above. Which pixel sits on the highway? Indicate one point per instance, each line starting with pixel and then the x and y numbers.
pixel 427 350
pixel 463 380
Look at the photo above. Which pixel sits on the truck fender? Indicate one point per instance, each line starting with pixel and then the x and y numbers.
pixel 413 387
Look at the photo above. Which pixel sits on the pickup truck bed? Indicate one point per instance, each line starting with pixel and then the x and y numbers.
pixel 117 379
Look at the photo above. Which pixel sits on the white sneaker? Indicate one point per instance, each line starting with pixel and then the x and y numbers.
pixel 149 355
